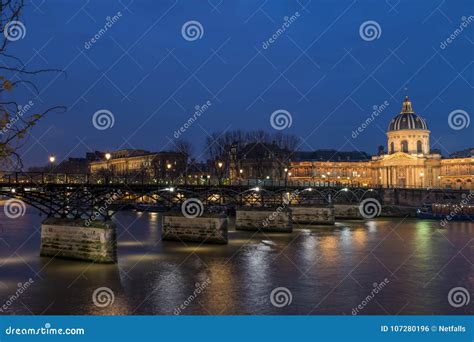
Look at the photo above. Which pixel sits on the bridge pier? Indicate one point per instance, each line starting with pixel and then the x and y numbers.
pixel 208 228
pixel 264 219
pixel 71 239
pixel 312 215
pixel 347 211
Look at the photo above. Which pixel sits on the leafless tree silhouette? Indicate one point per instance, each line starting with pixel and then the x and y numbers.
pixel 17 118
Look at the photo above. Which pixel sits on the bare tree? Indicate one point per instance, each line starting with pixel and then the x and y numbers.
pixel 17 118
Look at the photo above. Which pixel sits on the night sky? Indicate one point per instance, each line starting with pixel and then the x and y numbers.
pixel 320 70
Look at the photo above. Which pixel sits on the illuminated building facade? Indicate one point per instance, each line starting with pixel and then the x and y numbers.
pixel 409 163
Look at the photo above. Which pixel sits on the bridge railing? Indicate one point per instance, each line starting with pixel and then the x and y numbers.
pixel 41 178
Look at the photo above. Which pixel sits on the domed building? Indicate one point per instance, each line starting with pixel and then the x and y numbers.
pixel 408 162
pixel 408 132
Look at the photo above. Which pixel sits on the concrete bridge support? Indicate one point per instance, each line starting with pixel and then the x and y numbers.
pixel 71 239
pixel 312 215
pixel 208 228
pixel 264 219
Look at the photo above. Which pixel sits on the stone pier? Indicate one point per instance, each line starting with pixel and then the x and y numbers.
pixel 312 215
pixel 208 228
pixel 347 211
pixel 71 239
pixel 264 219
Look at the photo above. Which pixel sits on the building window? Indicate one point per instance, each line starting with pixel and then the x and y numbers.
pixel 419 147
pixel 404 146
pixel 392 147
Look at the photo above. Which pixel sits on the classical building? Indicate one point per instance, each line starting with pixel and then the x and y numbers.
pixel 140 163
pixel 409 161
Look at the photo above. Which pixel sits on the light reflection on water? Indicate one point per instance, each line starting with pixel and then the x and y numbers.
pixel 329 270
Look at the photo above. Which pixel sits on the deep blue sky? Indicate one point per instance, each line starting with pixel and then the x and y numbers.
pixel 341 75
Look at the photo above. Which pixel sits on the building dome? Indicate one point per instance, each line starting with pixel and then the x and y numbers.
pixel 407 119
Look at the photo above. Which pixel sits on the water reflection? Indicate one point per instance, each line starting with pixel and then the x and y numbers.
pixel 329 270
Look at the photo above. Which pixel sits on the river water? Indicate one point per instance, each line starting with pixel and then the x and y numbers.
pixel 412 264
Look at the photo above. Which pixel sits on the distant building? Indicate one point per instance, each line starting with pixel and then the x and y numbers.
pixel 409 161
pixel 258 161
pixel 467 153
pixel 160 166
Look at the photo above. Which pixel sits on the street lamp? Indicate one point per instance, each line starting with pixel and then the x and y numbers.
pixel 168 169
pixel 108 156
pixel 220 165
pixel 52 160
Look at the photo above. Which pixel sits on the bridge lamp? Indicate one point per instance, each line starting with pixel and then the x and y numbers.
pixel 289 174
pixel 108 156
pixel 286 169
pixel 52 159
pixel 241 171
pixel 268 177
pixel 220 164
pixel 168 166
pixel 13 191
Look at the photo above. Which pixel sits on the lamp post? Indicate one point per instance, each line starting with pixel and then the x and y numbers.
pixel 108 156
pixel 286 175
pixel 220 165
pixel 52 160
pixel 168 172
pixel 241 176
